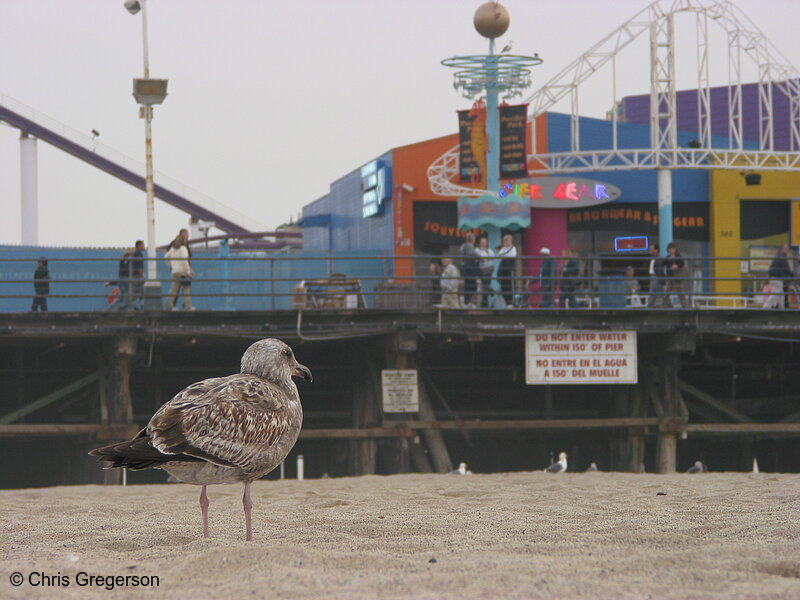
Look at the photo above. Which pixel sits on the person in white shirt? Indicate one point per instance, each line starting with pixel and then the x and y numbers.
pixel 505 272
pixel 450 282
pixel 486 267
pixel 177 257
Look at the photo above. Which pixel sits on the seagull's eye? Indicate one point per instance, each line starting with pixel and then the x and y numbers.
pixel 287 353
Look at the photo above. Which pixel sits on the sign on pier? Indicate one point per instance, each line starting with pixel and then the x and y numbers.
pixel 571 356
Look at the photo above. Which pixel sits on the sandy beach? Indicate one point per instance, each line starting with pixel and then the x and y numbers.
pixel 512 535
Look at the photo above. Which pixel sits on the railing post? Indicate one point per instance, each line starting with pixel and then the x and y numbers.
pixel 272 283
pixel 224 253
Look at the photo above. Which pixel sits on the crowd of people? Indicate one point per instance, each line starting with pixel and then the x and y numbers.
pixel 127 290
pixel 467 282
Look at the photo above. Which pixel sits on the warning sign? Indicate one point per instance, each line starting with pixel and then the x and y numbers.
pixel 400 392
pixel 570 356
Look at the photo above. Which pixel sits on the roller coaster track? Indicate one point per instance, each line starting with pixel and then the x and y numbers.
pixel 41 127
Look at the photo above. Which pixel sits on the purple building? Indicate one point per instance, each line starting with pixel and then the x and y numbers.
pixel 636 109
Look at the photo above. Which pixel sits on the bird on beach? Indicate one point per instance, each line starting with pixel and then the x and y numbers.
pixel 223 429
pixel 592 468
pixel 461 470
pixel 560 466
pixel 697 467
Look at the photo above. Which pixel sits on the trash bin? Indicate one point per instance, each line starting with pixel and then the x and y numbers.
pixel 611 291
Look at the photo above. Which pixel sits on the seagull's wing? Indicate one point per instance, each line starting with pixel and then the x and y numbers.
pixel 226 421
pixel 554 468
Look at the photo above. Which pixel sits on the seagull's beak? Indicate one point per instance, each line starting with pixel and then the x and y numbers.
pixel 303 371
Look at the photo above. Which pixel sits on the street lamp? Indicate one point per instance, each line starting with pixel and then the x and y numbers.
pixel 147 93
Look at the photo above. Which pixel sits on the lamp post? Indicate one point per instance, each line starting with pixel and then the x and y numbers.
pixel 147 93
pixel 489 75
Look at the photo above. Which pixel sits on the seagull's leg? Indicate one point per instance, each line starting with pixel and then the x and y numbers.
pixel 248 506
pixel 204 510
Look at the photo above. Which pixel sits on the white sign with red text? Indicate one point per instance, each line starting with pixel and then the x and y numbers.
pixel 571 356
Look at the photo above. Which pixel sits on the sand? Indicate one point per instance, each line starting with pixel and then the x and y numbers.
pixel 512 535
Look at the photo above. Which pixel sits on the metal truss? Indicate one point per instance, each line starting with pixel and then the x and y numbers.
pixel 745 43
pixel 678 158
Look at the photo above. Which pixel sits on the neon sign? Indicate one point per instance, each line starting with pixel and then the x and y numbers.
pixel 631 244
pixel 560 192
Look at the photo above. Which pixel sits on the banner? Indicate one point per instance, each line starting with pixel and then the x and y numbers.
pixel 508 212
pixel 472 144
pixel 513 147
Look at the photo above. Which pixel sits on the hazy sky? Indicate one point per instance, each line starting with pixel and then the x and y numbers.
pixel 269 102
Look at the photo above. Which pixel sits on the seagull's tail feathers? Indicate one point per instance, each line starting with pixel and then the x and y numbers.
pixel 136 454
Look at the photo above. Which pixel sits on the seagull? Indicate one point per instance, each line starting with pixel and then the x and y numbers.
pixel 560 466
pixel 223 429
pixel 592 468
pixel 507 47
pixel 697 467
pixel 461 470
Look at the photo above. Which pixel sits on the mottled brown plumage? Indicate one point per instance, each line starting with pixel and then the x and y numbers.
pixel 224 429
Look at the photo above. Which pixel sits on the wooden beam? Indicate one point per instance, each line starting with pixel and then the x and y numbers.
pixel 529 423
pixel 744 428
pixel 103 431
pixel 714 403
pixel 355 434
pixel 48 399
pixel 666 452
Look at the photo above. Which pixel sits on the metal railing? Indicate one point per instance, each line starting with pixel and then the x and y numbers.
pixel 332 282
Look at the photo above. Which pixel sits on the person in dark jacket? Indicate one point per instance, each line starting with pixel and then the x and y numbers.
pixel 780 277
pixel 137 274
pixel 569 283
pixel 547 278
pixel 41 285
pixel 677 275
pixel 123 282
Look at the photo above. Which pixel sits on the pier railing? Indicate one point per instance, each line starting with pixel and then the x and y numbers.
pixel 336 282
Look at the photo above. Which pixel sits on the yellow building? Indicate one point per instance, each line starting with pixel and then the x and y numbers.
pixel 750 219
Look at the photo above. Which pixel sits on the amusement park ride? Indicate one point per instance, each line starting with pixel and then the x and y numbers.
pixel 747 47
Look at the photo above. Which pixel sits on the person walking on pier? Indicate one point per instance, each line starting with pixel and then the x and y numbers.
pixel 41 285
pixel 469 270
pixel 780 277
pixel 450 281
pixel 656 296
pixel 137 275
pixel 507 253
pixel 486 270
pixel 177 257
pixel 677 275
pixel 547 280
pixel 569 275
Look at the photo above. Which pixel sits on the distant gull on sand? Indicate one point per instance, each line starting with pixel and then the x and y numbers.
pixel 697 467
pixel 592 468
pixel 461 470
pixel 560 466
pixel 224 429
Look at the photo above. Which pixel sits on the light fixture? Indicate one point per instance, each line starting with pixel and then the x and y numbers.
pixel 132 6
pixel 751 178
